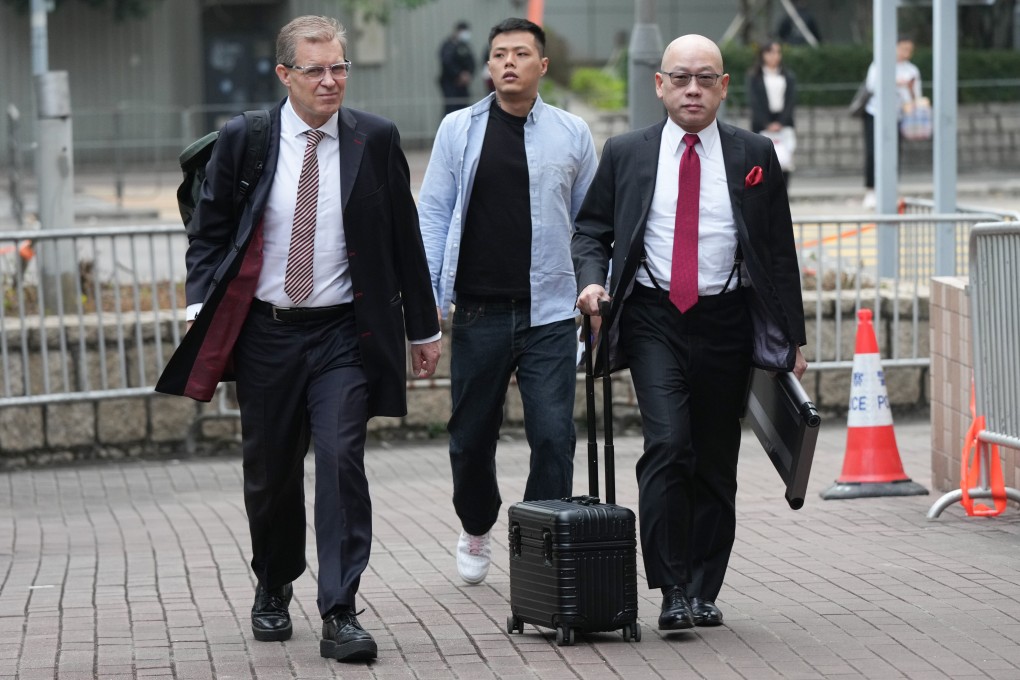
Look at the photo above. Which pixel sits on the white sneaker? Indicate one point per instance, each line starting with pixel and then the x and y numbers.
pixel 869 199
pixel 474 554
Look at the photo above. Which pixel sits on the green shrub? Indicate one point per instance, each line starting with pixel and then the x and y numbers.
pixel 829 75
pixel 601 89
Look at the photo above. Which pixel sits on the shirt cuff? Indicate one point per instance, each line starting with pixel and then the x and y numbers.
pixel 192 311
pixel 428 340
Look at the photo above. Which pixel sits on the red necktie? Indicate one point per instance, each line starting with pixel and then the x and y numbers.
pixel 297 282
pixel 683 277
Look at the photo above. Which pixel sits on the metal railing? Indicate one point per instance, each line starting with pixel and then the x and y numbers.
pixel 926 240
pixel 105 334
pixel 123 314
pixel 839 265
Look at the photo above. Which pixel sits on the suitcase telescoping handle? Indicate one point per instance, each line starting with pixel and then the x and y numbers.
pixel 607 395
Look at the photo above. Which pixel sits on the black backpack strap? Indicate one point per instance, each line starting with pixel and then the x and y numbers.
pixel 255 150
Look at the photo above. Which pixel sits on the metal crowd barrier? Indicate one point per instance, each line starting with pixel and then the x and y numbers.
pixel 123 311
pixel 839 267
pixel 994 303
pixel 106 330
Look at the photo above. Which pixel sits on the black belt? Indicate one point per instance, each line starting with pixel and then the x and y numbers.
pixel 468 298
pixel 289 314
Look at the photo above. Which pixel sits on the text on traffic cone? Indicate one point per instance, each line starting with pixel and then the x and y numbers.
pixel 871 465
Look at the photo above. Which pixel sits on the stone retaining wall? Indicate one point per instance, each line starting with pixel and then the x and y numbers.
pixel 158 425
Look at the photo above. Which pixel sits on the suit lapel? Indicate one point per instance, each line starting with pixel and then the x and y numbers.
pixel 352 147
pixel 733 157
pixel 647 161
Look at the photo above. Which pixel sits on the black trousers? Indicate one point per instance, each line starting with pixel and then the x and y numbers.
pixel 690 374
pixel 300 382
pixel 869 150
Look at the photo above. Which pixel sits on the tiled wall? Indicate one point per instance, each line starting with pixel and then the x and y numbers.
pixel 951 375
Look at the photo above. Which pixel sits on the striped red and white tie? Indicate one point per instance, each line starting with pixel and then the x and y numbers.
pixel 297 283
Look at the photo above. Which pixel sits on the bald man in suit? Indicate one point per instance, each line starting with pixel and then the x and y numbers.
pixel 694 218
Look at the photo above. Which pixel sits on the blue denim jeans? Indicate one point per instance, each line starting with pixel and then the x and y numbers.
pixel 490 341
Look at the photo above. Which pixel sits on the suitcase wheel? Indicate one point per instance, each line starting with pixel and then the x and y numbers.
pixel 632 631
pixel 514 623
pixel 564 636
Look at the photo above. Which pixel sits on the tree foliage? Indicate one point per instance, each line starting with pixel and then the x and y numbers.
pixel 122 9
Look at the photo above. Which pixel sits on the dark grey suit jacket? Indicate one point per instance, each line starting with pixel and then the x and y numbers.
pixel 610 227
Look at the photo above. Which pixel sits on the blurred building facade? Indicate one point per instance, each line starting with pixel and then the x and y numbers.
pixel 140 89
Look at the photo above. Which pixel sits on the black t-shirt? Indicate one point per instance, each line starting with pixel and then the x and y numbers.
pixel 495 246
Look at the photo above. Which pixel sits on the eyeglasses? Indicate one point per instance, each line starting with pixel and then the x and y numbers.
pixel 338 71
pixel 681 79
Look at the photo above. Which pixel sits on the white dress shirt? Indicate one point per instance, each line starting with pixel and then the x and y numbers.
pixel 331 281
pixel 717 232
pixel 775 88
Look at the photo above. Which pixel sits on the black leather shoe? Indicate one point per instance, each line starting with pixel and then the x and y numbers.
pixel 676 610
pixel 344 639
pixel 705 612
pixel 270 620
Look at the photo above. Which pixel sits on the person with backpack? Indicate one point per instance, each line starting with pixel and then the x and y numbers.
pixel 303 295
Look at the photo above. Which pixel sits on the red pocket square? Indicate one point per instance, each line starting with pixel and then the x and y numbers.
pixel 754 177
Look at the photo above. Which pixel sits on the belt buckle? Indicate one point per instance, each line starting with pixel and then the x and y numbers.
pixel 275 316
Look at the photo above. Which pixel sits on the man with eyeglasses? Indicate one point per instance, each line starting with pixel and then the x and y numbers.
pixel 693 215
pixel 303 296
pixel 504 182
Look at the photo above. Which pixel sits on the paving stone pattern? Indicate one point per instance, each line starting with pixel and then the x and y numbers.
pixel 139 570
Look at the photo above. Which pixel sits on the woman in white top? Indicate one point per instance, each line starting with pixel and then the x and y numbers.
pixel 908 88
pixel 771 94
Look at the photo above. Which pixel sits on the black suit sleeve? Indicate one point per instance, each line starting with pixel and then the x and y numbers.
pixel 594 235
pixel 757 101
pixel 409 260
pixel 790 101
pixel 783 265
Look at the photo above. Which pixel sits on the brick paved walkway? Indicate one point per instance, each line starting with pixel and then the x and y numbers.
pixel 139 570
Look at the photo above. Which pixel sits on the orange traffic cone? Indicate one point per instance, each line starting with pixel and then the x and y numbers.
pixel 871 466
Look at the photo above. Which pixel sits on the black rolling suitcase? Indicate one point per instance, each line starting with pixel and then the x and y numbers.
pixel 573 564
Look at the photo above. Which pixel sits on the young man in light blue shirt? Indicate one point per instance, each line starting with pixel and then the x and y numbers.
pixel 504 183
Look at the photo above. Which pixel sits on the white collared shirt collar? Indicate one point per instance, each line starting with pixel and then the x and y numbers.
pixel 291 124
pixel 708 138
